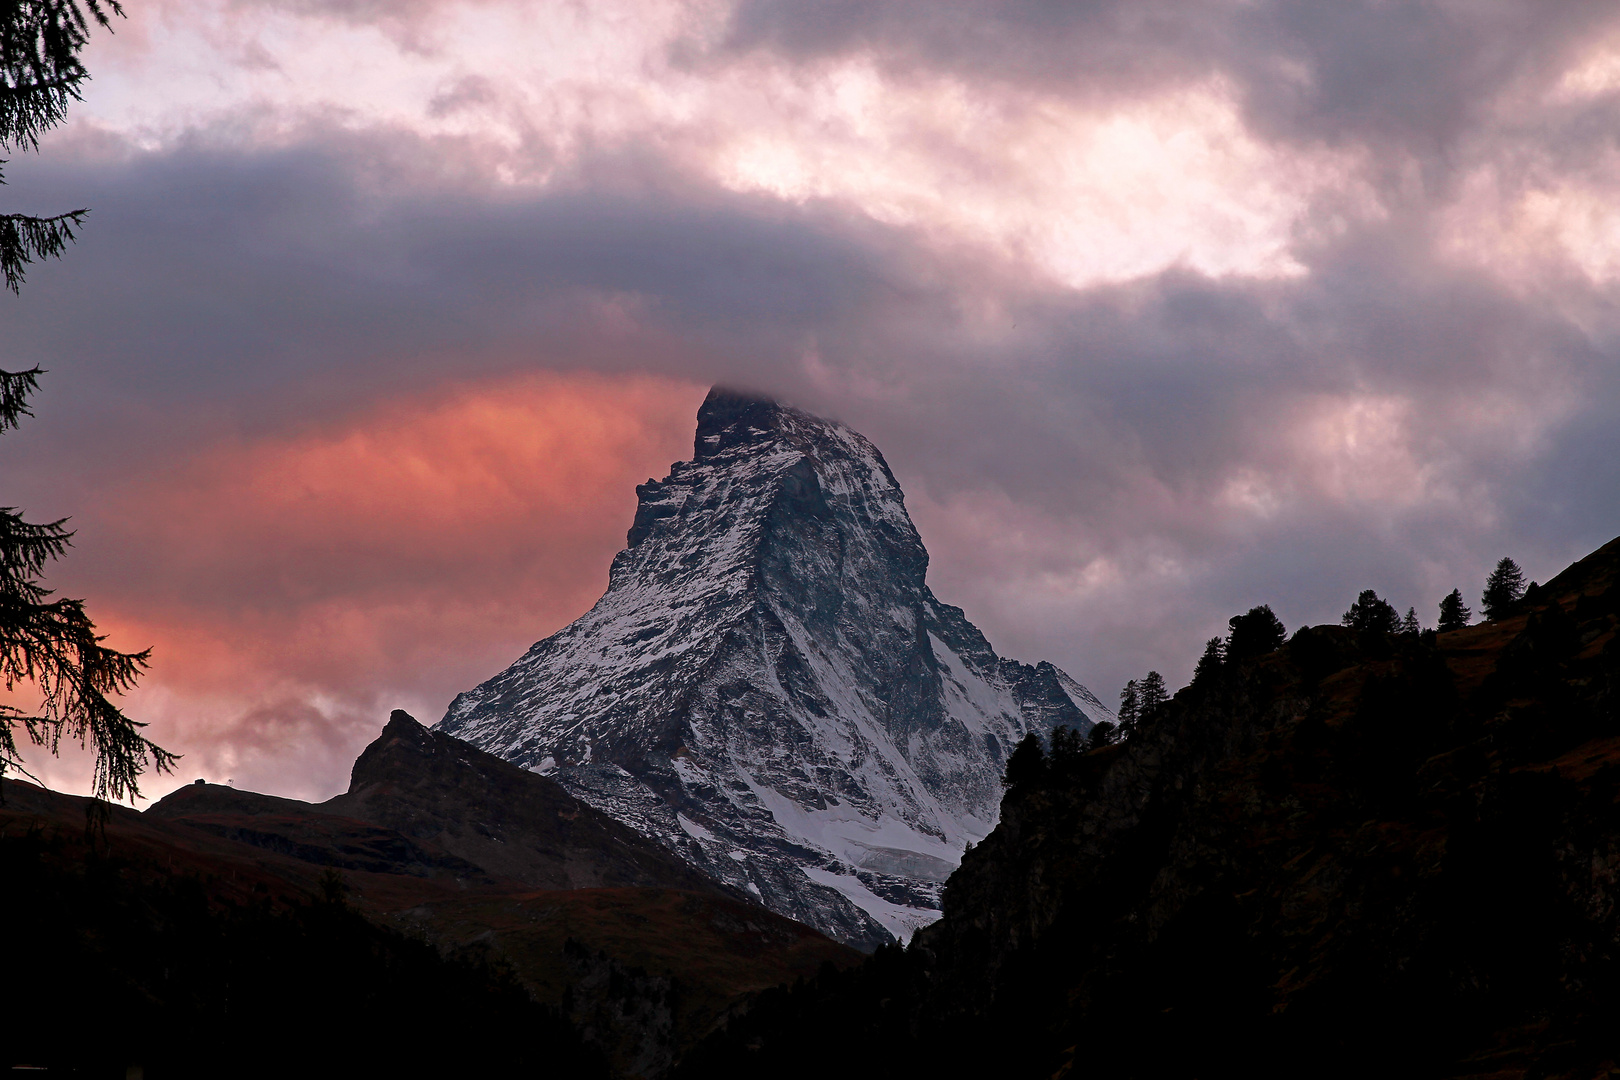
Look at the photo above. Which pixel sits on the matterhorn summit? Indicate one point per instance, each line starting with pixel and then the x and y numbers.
pixel 770 689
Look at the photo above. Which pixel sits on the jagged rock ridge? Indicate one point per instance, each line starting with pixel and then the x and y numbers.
pixel 770 688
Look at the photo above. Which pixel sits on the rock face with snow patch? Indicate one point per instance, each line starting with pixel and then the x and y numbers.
pixel 769 687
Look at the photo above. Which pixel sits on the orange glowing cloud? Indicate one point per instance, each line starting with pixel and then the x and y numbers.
pixel 297 587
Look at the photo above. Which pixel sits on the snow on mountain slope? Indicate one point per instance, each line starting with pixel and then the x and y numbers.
pixel 769 687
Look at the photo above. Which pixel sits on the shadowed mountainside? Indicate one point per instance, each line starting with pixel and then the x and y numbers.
pixel 1360 854
pixel 186 955
pixel 451 846
pixel 451 809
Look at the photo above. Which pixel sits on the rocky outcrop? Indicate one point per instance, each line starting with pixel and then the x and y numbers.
pixel 770 689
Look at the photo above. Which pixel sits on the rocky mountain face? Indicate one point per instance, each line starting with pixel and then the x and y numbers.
pixel 770 689
pixel 1362 854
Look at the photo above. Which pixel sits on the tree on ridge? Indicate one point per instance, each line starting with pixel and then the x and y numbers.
pixel 1211 663
pixel 1371 614
pixel 1101 735
pixel 1152 695
pixel 1130 708
pixel 1256 632
pixel 1503 589
pixel 1026 764
pixel 1454 614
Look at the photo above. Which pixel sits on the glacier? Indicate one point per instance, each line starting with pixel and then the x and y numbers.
pixel 770 689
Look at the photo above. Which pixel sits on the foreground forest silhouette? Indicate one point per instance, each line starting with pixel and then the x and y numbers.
pixel 1358 853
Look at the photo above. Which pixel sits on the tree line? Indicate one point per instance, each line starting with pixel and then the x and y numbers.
pixel 1503 590
pixel 1257 632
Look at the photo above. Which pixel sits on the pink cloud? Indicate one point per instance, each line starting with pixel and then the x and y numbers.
pixel 294 588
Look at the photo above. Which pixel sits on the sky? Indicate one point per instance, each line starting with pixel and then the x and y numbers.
pixel 1158 311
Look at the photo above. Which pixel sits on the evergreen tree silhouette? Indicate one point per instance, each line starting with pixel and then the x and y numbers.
pixel 1410 624
pixel 1211 663
pixel 1502 589
pixel 1370 614
pixel 1101 735
pixel 1130 708
pixel 1454 614
pixel 1026 765
pixel 1151 696
pixel 1254 633
pixel 40 73
pixel 1066 746
pixel 51 644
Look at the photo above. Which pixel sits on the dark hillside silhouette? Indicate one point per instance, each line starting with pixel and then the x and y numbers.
pixel 435 839
pixel 1356 855
pixel 274 982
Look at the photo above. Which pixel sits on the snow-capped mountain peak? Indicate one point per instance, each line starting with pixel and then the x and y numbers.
pixel 769 687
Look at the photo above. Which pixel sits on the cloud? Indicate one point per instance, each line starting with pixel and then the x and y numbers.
pixel 1410 74
pixel 1085 190
pixel 1157 313
pixel 295 587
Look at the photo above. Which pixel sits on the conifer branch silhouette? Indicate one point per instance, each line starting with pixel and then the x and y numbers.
pixel 47 643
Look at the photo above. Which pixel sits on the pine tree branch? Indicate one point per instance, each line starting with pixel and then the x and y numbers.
pixel 52 644
pixel 54 647
pixel 28 110
pixel 15 386
pixel 25 547
pixel 24 239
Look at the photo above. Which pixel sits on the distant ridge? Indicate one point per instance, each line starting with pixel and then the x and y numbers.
pixel 472 853
pixel 423 802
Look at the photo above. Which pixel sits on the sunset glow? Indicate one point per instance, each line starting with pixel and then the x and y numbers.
pixel 1157 313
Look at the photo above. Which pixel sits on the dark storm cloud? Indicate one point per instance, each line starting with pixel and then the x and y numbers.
pixel 272 283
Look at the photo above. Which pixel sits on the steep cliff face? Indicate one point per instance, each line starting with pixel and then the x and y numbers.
pixel 770 688
pixel 1358 855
